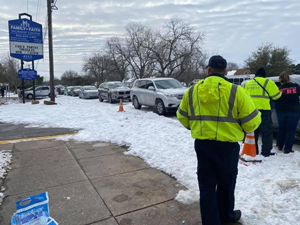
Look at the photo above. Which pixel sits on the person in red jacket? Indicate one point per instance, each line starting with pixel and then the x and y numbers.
pixel 288 112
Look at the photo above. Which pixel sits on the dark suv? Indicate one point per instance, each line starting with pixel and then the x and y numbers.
pixel 113 92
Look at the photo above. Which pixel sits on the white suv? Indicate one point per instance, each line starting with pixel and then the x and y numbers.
pixel 41 91
pixel 164 94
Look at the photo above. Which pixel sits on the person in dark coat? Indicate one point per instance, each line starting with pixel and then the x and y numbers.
pixel 288 112
pixel 2 91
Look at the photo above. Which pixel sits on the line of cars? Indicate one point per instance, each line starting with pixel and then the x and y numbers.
pixel 85 92
pixel 163 94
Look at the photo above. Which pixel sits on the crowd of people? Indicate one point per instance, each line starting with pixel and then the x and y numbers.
pixel 219 114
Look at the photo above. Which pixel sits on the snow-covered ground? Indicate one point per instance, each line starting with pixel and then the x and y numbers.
pixel 268 193
pixel 5 160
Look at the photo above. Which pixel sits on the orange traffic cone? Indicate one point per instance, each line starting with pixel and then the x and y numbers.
pixel 121 109
pixel 249 147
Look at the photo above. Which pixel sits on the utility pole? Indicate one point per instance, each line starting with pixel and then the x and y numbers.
pixel 51 6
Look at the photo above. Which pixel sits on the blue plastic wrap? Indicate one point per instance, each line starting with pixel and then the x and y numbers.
pixel 33 210
pixel 51 221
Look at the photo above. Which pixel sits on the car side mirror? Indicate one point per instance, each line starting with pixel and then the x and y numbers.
pixel 151 88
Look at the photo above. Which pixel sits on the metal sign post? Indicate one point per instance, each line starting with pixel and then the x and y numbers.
pixel 23 91
pixel 33 81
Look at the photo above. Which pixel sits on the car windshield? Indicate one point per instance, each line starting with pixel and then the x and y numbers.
pixel 115 85
pixel 90 88
pixel 167 84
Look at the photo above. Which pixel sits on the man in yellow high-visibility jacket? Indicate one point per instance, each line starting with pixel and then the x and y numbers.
pixel 217 113
pixel 261 91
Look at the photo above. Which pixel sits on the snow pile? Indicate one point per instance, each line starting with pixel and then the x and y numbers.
pixel 5 160
pixel 267 192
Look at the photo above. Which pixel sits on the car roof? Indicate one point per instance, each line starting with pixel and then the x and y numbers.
pixel 157 78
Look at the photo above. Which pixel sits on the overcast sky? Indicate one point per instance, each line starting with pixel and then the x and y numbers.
pixel 233 28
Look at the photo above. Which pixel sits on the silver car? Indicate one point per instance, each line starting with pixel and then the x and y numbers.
pixel 88 92
pixel 164 94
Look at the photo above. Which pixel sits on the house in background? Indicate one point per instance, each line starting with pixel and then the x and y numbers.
pixel 238 72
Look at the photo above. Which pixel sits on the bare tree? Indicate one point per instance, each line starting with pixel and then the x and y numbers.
pixel 98 65
pixel 136 51
pixel 10 68
pixel 232 66
pixel 69 78
pixel 119 62
pixel 173 46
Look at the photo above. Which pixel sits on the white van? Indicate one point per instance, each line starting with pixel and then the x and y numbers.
pixel 239 79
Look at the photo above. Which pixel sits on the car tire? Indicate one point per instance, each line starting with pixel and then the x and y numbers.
pixel 110 99
pixel 136 103
pixel 29 96
pixel 160 107
pixel 100 98
pixel 49 95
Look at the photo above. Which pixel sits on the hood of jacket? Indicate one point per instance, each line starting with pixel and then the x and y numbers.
pixel 212 88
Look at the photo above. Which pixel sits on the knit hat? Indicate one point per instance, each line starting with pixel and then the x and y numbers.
pixel 217 62
pixel 261 72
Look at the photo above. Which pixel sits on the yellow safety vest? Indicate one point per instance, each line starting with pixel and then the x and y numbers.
pixel 215 109
pixel 259 96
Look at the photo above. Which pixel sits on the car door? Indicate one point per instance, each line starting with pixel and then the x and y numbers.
pixel 102 91
pixel 38 91
pixel 45 91
pixel 105 91
pixel 141 92
pixel 149 94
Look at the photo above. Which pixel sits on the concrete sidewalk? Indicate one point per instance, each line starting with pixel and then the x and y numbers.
pixel 93 183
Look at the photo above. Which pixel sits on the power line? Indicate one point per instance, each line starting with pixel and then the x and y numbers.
pixel 38 6
pixel 44 35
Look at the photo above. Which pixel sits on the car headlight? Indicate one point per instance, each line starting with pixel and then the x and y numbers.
pixel 170 95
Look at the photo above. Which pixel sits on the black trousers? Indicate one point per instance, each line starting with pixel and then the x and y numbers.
pixel 217 172
pixel 266 131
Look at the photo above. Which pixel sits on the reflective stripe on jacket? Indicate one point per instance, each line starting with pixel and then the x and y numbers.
pixel 259 96
pixel 215 109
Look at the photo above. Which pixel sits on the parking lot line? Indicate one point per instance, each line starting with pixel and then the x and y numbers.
pixel 35 138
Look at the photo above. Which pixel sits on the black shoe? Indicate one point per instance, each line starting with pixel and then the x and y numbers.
pixel 270 154
pixel 279 148
pixel 288 152
pixel 238 215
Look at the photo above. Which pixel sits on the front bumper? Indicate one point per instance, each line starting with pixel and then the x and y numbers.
pixel 120 95
pixel 90 95
pixel 171 104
